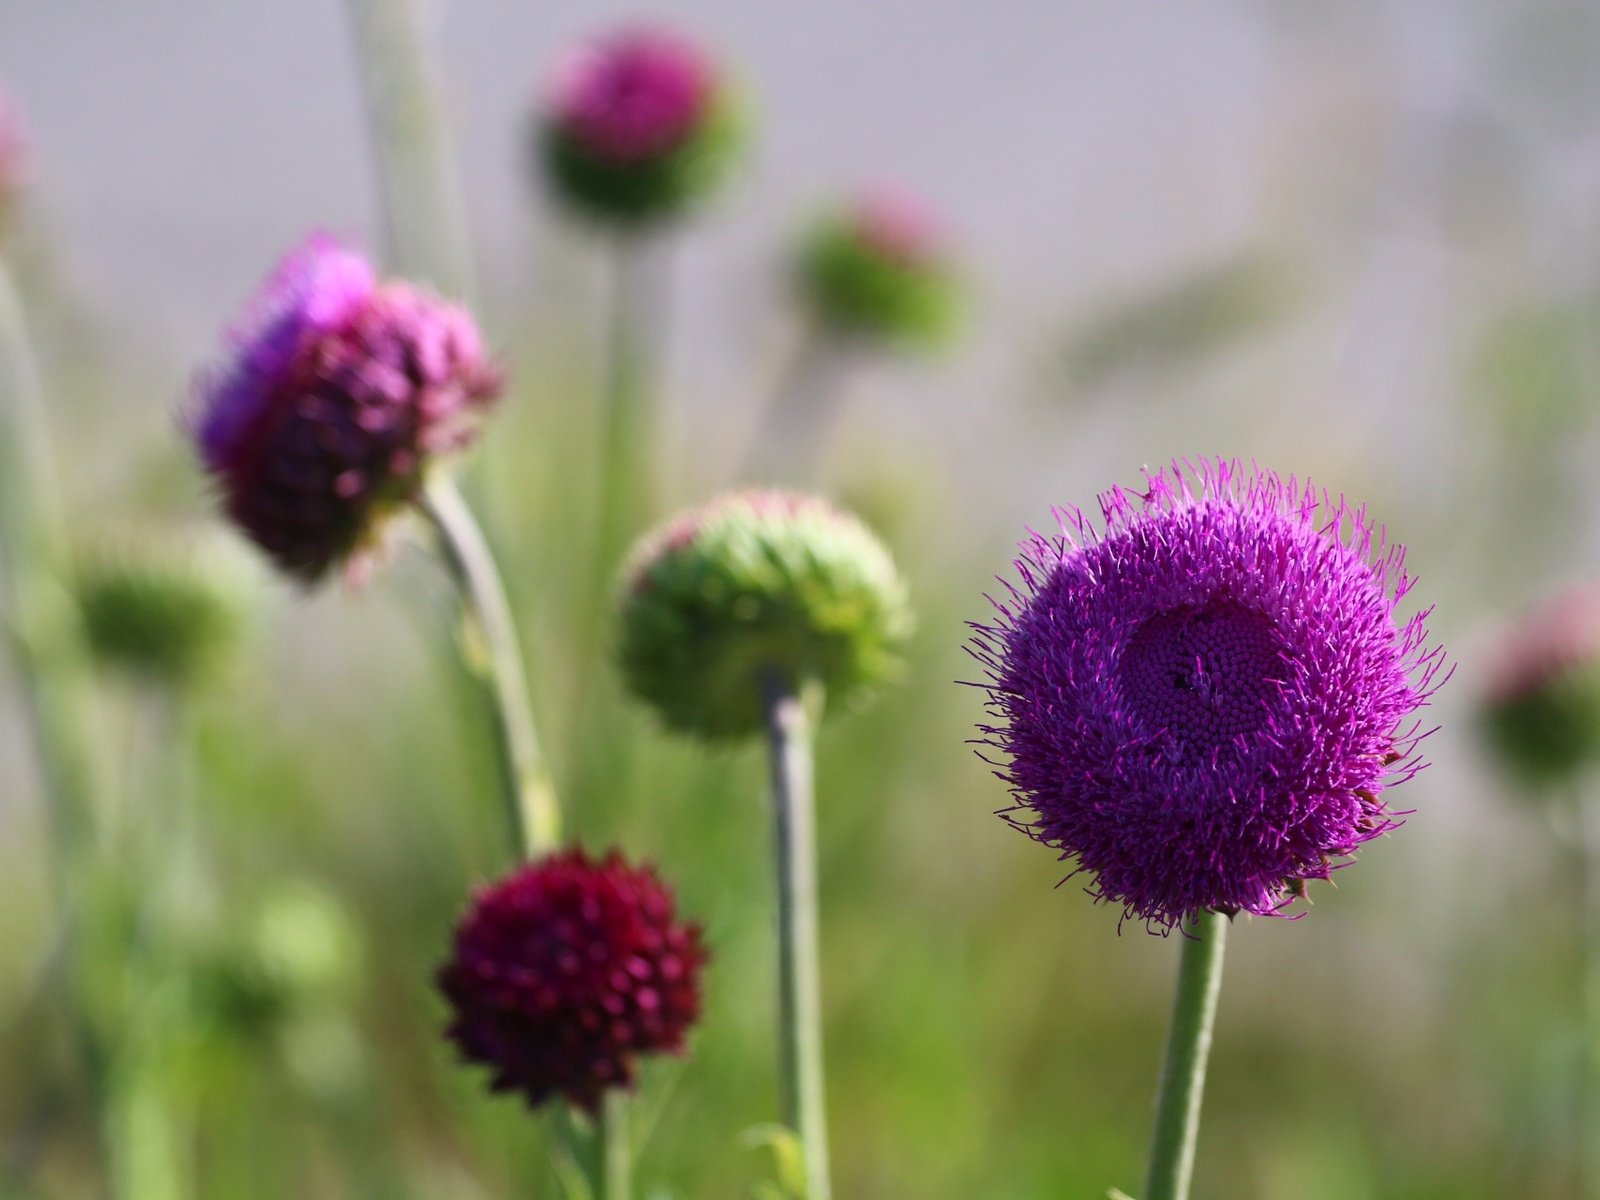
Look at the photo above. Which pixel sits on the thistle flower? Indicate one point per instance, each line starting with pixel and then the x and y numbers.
pixel 338 393
pixel 15 170
pixel 1541 709
pixel 879 267
pixel 568 969
pixel 637 126
pixel 752 582
pixel 1203 703
pixel 168 607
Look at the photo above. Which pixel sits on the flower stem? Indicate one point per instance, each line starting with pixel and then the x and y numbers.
pixel 1589 1112
pixel 494 655
pixel 799 970
pixel 424 232
pixel 627 477
pixel 1184 1076
pixel 800 406
pixel 613 1178
pixel 52 661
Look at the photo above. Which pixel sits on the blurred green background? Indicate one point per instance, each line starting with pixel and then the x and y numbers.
pixel 1355 241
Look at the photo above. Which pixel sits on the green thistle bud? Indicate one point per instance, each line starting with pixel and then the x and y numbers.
pixel 171 609
pixel 751 584
pixel 1541 712
pixel 878 268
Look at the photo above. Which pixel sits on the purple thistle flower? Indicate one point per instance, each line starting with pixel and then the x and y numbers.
pixel 566 970
pixel 1204 703
pixel 632 96
pixel 338 392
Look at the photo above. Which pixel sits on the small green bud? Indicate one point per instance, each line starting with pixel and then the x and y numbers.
pixel 1541 712
pixel 751 584
pixel 170 608
pixel 878 268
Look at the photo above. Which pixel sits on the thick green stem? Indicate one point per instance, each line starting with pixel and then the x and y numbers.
pixel 627 474
pixel 52 661
pixel 420 196
pixel 613 1179
pixel 799 963
pixel 1184 1077
pixel 801 402
pixel 495 656
pixel 1589 1114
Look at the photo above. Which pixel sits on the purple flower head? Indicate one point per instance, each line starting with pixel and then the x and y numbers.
pixel 337 391
pixel 568 969
pixel 635 95
pixel 1203 702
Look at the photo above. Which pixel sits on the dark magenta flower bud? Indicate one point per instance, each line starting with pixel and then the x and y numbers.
pixel 338 394
pixel 638 126
pixel 566 971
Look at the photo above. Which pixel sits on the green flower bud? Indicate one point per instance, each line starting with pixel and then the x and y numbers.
pixel 170 608
pixel 1541 712
pixel 878 268
pixel 752 584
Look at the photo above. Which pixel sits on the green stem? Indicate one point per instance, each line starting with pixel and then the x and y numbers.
pixel 1189 1042
pixel 614 1178
pixel 623 502
pixel 1589 1115
pixel 52 661
pixel 424 233
pixel 495 656
pixel 627 475
pixel 801 403
pixel 799 964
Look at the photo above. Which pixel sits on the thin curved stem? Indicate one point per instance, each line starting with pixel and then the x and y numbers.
pixel 496 658
pixel 1183 1079
pixel 799 962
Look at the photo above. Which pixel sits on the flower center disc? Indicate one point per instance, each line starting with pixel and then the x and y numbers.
pixel 1206 675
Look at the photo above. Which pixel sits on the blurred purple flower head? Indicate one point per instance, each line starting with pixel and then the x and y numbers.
pixel 337 392
pixel 565 971
pixel 1542 700
pixel 1203 703
pixel 632 95
pixel 637 126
